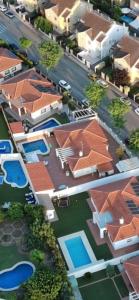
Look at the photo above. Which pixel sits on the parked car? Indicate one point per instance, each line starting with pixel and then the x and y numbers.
pixel 125 100
pixel 93 76
pixel 64 85
pixel 137 111
pixel 83 103
pixel 14 46
pixel 102 83
pixel 9 14
pixel 3 8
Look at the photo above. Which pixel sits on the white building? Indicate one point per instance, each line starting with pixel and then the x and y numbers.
pixel 9 64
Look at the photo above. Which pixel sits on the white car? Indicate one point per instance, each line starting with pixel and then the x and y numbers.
pixel 9 14
pixel 125 100
pixel 137 111
pixel 102 83
pixel 64 85
pixel 3 8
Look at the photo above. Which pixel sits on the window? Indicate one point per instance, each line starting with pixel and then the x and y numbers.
pixel 43 111
pixel 7 72
pixel 13 69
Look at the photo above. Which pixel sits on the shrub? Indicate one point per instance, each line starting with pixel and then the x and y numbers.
pixel 2 216
pixel 110 271
pixel 88 275
pixel 120 152
pixel 37 256
pixel 43 24
pixel 16 211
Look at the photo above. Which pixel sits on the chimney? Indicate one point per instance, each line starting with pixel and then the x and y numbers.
pixel 121 221
pixel 80 153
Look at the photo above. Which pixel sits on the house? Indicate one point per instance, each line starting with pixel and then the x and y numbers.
pixel 9 64
pixel 126 56
pixel 83 148
pixel 96 35
pixel 30 96
pixel 63 14
pixel 131 267
pixel 115 210
pixel 134 5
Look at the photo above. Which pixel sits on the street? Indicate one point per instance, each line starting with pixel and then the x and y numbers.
pixel 12 29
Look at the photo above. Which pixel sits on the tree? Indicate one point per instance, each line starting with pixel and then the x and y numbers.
pixel 117 110
pixel 95 93
pixel 37 256
pixel 43 24
pixel 120 152
pixel 45 284
pixel 34 212
pixel 25 43
pixel 134 140
pixel 121 77
pixel 3 43
pixel 116 11
pixel 16 211
pixel 50 54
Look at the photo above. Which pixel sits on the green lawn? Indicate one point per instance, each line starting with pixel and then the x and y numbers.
pixel 3 128
pixel 63 118
pixel 95 277
pixel 121 286
pixel 104 290
pixel 8 193
pixel 9 256
pixel 73 219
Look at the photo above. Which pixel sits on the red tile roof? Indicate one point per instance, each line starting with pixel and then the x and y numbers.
pixel 8 59
pixel 89 138
pixel 27 90
pixel 112 198
pixel 132 269
pixel 59 6
pixel 129 50
pixel 39 176
pixel 16 127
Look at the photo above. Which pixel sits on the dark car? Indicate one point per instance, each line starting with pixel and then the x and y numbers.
pixel 92 75
pixel 14 46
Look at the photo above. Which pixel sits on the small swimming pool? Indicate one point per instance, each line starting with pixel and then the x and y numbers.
pixel 127 19
pixel 38 146
pixel 48 124
pixel 14 174
pixel 11 279
pixel 6 147
pixel 77 252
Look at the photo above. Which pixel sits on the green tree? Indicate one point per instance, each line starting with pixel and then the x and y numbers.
pixel 25 43
pixel 16 211
pixel 43 24
pixel 117 110
pixel 134 140
pixel 3 43
pixel 45 232
pixel 37 256
pixel 50 54
pixel 45 284
pixel 34 212
pixel 116 11
pixel 95 93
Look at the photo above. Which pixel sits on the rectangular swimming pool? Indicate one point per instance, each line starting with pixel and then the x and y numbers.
pixel 48 124
pixel 127 19
pixel 38 146
pixel 77 252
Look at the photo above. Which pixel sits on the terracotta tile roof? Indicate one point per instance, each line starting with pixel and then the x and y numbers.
pixel 59 6
pixel 129 50
pixel 8 59
pixel 112 198
pixel 39 176
pixel 101 37
pixel 16 127
pixel 96 24
pixel 30 90
pixel 137 1
pixel 132 269
pixel 87 137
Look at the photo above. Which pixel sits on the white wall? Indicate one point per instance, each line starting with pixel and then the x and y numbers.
pixel 125 243
pixel 38 113
pixel 11 70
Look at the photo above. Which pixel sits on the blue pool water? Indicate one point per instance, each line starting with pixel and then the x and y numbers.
pixel 1 179
pixel 77 252
pixel 13 278
pixel 49 124
pixel 5 147
pixel 38 145
pixel 127 19
pixel 14 173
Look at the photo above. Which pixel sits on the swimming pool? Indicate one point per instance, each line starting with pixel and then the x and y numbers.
pixel 48 124
pixel 11 279
pixel 14 174
pixel 127 19
pixel 38 146
pixel 6 147
pixel 77 251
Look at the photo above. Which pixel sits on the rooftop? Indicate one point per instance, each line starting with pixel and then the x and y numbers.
pixel 59 6
pixel 132 269
pixel 39 176
pixel 8 59
pixel 121 200
pixel 16 127
pixel 30 90
pixel 128 48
